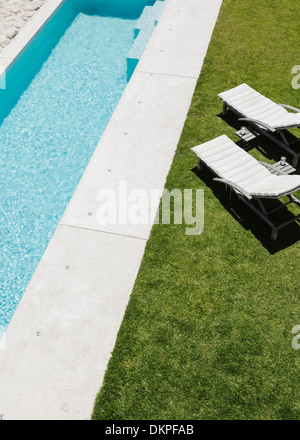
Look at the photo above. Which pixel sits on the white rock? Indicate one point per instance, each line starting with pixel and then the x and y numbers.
pixel 15 9
pixel 20 23
pixel 11 32
pixel 28 8
pixel 27 14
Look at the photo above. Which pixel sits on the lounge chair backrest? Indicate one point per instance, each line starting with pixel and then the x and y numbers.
pixel 251 104
pixel 229 161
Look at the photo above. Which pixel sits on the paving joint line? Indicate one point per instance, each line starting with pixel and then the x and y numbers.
pixel 168 74
pixel 103 232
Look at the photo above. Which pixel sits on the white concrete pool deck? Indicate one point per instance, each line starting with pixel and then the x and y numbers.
pixel 78 295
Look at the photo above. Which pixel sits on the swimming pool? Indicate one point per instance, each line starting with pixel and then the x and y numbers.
pixel 59 97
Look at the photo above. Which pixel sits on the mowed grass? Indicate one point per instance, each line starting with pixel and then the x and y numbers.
pixel 207 331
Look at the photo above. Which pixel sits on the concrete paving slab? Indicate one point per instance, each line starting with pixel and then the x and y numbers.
pixel 77 308
pixel 181 38
pixel 137 148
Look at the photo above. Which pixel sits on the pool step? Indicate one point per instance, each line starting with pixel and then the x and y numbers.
pixel 151 14
pixel 141 41
pixel 144 20
pixel 142 33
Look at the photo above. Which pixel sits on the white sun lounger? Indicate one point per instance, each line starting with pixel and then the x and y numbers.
pixel 251 180
pixel 266 117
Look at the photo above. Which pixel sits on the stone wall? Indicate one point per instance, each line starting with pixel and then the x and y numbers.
pixel 13 16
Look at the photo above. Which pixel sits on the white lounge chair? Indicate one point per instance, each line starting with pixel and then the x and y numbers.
pixel 265 116
pixel 251 180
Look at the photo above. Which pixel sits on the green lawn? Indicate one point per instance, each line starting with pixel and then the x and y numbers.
pixel 207 332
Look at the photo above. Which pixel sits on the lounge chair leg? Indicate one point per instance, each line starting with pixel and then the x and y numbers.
pixel 295 160
pixel 274 234
pixel 285 141
pixel 224 109
pixel 200 165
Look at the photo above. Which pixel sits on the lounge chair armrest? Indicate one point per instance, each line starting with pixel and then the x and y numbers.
pixel 290 107
pixel 234 186
pixel 257 122
pixel 294 199
pixel 271 167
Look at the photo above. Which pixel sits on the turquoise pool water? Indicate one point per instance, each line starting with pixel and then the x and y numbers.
pixel 59 98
